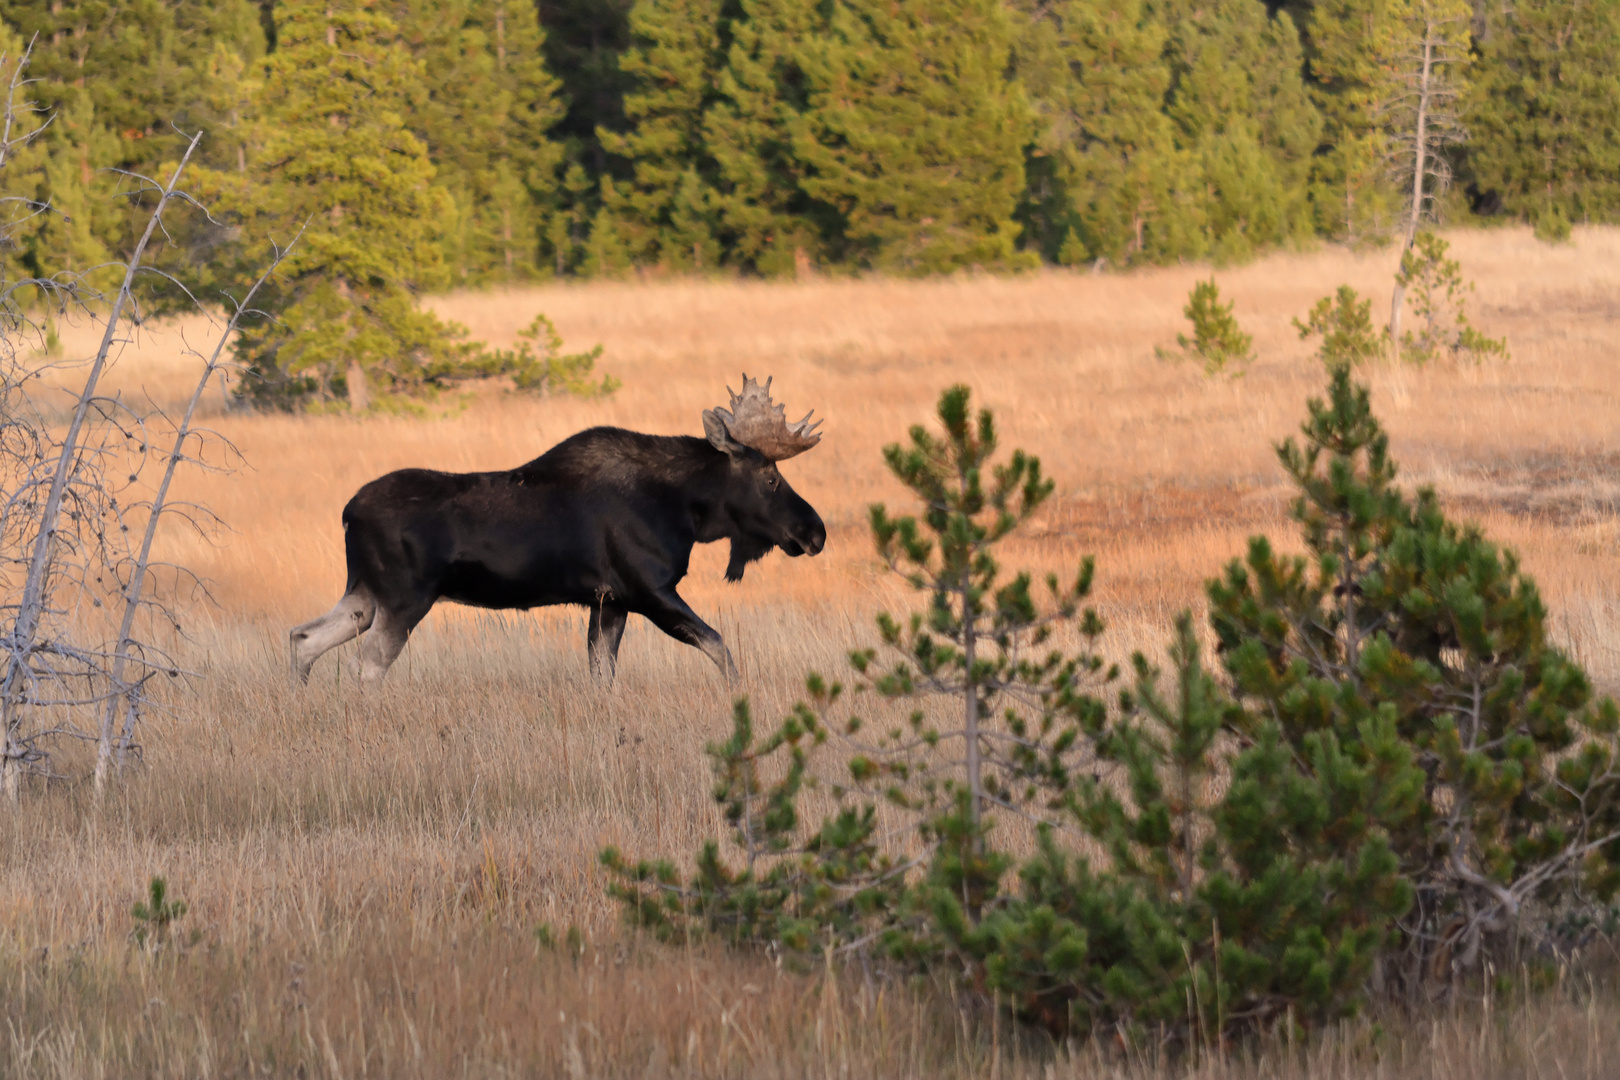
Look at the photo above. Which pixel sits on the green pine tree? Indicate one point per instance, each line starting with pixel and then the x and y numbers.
pixel 1124 183
pixel 607 252
pixel 1542 136
pixel 1352 81
pixel 583 42
pixel 1399 618
pixel 126 73
pixel 230 87
pixel 330 147
pixel 1219 909
pixel 24 176
pixel 76 237
pixel 1242 109
pixel 914 134
pixel 767 221
pixel 665 211
pixel 568 221
pixel 486 108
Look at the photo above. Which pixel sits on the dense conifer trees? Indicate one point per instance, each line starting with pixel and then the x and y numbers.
pixel 116 75
pixel 485 109
pixel 1243 113
pixel 773 136
pixel 667 207
pixel 1542 125
pixel 770 224
pixel 913 134
pixel 1100 75
pixel 330 152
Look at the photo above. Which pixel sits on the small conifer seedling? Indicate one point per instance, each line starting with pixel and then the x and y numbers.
pixel 1438 296
pixel 1344 323
pixel 156 915
pixel 1217 339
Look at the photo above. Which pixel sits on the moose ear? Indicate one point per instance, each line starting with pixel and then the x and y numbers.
pixel 720 438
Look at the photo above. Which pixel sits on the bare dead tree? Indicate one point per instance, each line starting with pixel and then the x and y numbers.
pixel 131 654
pixel 77 529
pixel 70 472
pixel 1424 117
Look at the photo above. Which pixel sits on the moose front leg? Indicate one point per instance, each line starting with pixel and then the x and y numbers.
pixel 603 637
pixel 670 614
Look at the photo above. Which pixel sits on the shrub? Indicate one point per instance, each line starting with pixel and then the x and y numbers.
pixel 1552 224
pixel 1344 323
pixel 551 371
pixel 1411 768
pixel 1214 913
pixel 1398 617
pixel 1439 296
pixel 1217 339
pixel 156 915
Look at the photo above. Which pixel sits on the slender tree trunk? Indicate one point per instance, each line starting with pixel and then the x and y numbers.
pixel 506 239
pixel 970 725
pixel 1420 147
pixel 137 581
pixel 31 604
pixel 500 37
pixel 359 394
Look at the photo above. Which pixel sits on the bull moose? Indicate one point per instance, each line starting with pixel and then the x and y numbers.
pixel 605 519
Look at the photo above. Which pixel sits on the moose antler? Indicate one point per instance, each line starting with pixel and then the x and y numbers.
pixel 754 421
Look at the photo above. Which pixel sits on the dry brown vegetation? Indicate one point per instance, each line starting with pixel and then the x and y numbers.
pixel 365 872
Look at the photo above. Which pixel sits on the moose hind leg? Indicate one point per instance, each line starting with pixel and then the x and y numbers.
pixel 602 639
pixel 381 647
pixel 675 618
pixel 348 620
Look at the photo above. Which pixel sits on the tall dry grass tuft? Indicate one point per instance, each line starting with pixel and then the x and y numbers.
pixel 365 872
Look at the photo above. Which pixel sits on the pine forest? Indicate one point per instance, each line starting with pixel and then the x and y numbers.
pixel 465 142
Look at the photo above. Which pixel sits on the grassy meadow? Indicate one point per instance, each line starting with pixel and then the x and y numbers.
pixel 365 872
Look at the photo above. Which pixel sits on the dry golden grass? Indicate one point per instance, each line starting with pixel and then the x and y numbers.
pixel 365 871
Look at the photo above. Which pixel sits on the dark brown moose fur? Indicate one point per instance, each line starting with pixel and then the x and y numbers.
pixel 606 519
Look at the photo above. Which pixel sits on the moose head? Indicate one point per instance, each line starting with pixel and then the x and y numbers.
pixel 762 509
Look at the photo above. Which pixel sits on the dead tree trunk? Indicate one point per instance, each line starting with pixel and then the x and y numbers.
pixel 22 641
pixel 1420 146
pixel 121 691
pixel 1425 121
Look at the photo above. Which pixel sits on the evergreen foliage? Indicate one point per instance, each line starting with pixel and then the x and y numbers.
pixel 1215 913
pixel 1395 771
pixel 583 42
pixel 1217 338
pixel 776 136
pixel 1542 134
pixel 913 134
pixel 1344 323
pixel 484 112
pixel 118 76
pixel 551 371
pixel 1439 295
pixel 770 224
pixel 666 210
pixel 1352 80
pixel 1399 620
pixel 331 153
pixel 1002 724
pixel 1119 181
pixel 1242 112
pixel 156 915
